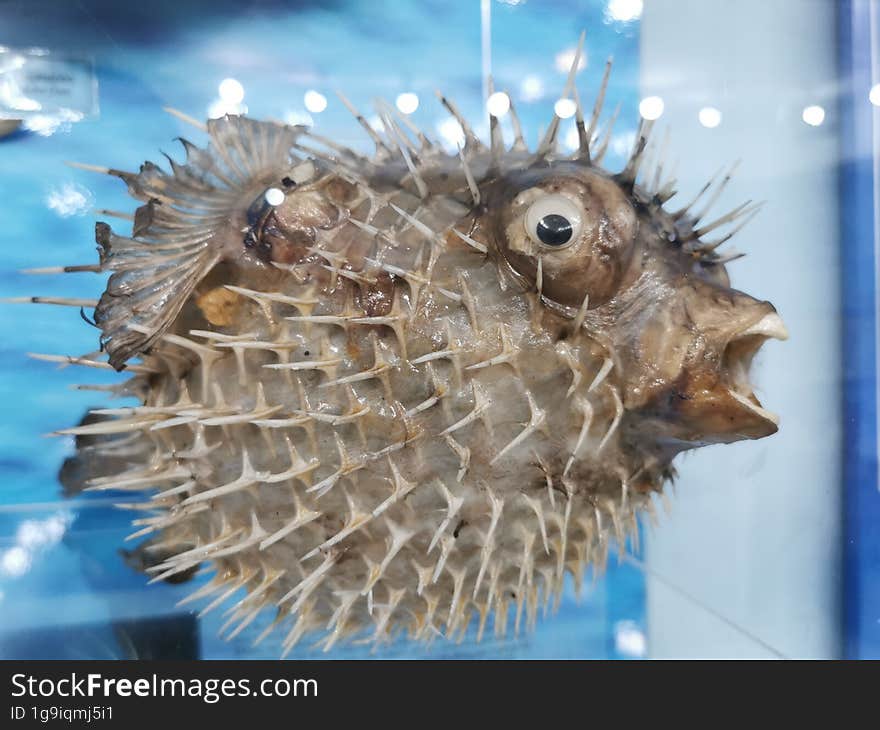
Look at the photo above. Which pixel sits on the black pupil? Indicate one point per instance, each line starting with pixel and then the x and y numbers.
pixel 554 229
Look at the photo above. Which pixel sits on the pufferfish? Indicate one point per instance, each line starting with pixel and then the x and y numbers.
pixel 407 393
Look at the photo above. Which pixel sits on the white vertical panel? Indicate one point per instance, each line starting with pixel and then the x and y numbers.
pixel 750 556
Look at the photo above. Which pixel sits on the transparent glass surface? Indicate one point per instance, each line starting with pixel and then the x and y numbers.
pixel 748 561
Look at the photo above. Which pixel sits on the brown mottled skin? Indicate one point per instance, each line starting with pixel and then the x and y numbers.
pixel 384 404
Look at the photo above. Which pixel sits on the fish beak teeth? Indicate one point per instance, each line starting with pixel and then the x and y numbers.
pixel 754 407
pixel 738 356
pixel 770 326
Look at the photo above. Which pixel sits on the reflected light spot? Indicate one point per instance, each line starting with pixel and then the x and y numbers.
pixel 376 123
pixel 274 196
pixel 532 88
pixel 23 104
pixel 231 91
pixel 315 102
pixel 34 534
pixel 709 117
pixel 625 10
pixel 565 58
pixel 498 104
pixel 31 537
pixel 18 102
pixel 565 108
pixel 407 102
pixel 48 124
pixel 651 107
pixel 16 62
pixel 874 95
pixel 571 139
pixel 629 639
pixel 813 115
pixel 69 200
pixel 15 561
pixel 451 133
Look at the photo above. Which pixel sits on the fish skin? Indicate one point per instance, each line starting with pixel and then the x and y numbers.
pixel 383 405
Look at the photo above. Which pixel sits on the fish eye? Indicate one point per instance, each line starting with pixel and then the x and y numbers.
pixel 554 221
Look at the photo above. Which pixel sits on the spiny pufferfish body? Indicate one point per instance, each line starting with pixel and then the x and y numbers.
pixel 408 393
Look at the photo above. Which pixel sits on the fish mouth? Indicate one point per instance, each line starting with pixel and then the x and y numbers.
pixel 737 359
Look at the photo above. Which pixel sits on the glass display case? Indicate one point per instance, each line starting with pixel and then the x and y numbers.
pixel 768 547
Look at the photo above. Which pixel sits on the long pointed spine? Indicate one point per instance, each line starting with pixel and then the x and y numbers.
pixel 548 143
